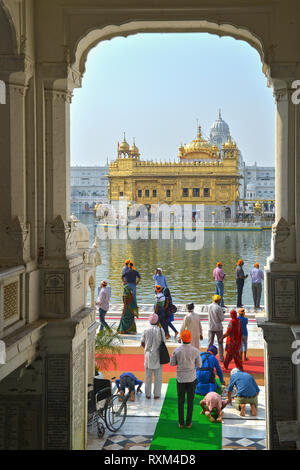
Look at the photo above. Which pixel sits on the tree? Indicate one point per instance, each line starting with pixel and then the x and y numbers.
pixel 107 345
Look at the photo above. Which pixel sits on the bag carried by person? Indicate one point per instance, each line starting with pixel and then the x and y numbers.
pixel 164 356
pixel 172 309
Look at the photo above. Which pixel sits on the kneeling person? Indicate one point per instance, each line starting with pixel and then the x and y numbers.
pixel 206 381
pixel 246 391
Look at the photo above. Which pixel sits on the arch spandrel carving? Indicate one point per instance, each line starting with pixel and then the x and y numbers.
pixel 94 35
pixel 8 34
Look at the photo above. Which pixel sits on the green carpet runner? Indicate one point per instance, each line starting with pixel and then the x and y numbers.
pixel 203 435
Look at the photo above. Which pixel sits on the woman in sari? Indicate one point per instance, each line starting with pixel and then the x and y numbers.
pixel 130 310
pixel 233 337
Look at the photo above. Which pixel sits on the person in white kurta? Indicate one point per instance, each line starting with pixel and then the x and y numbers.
pixel 151 340
pixel 192 323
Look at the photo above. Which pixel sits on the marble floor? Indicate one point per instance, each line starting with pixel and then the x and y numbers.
pixel 246 433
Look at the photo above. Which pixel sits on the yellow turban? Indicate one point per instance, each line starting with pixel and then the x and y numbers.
pixel 216 298
pixel 219 264
pixel 186 336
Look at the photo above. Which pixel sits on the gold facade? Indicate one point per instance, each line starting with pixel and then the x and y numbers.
pixel 203 175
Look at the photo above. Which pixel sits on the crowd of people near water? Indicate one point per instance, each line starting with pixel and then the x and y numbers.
pixel 196 371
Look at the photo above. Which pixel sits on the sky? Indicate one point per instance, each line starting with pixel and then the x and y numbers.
pixel 155 87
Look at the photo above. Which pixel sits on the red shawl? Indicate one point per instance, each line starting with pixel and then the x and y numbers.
pixel 234 330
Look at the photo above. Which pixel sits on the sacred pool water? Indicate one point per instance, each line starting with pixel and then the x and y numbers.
pixel 188 272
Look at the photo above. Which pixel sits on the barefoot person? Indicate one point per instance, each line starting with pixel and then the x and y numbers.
pixel 127 323
pixel 247 391
pixel 130 381
pixel 240 280
pixel 219 276
pixel 215 325
pixel 213 401
pixel 151 340
pixel 186 358
pixel 132 278
pixel 192 323
pixel 244 321
pixel 103 304
pixel 206 376
pixel 233 337
pixel 257 276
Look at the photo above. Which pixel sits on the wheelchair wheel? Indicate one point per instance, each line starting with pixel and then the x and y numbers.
pixel 100 429
pixel 115 412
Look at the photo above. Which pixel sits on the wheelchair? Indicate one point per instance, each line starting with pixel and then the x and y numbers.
pixel 105 407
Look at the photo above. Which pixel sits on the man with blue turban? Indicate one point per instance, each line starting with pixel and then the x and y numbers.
pixel 206 377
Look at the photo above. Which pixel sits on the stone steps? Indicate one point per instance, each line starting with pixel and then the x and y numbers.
pixel 145 310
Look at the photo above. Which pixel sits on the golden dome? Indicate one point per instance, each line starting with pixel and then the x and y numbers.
pixel 198 148
pixel 229 143
pixel 124 147
pixel 134 150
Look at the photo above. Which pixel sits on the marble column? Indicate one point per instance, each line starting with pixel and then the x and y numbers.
pixel 282 272
pixel 14 227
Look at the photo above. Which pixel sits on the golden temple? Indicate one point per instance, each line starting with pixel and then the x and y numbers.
pixel 204 174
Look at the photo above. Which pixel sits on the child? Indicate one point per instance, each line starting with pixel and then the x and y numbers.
pixel 127 379
pixel 244 322
pixel 213 400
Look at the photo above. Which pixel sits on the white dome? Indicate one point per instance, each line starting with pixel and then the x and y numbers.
pixel 219 131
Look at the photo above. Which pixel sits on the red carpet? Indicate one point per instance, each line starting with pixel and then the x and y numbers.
pixel 135 362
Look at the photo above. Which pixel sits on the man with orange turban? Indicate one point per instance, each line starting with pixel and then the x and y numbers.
pixel 240 279
pixel 186 358
pixel 257 276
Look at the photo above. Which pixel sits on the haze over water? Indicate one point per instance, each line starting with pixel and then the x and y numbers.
pixel 189 273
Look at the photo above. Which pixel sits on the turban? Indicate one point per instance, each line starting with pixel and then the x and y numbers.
pixel 216 298
pixel 127 261
pixel 234 371
pixel 256 265
pixel 219 264
pixel 158 288
pixel 213 349
pixel 159 269
pixel 153 319
pixel 241 310
pixel 240 261
pixel 186 336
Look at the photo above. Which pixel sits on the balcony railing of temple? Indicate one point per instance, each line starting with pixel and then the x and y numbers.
pixel 12 305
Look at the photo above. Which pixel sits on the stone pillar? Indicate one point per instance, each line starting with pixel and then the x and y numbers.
pixel 14 227
pixel 57 114
pixel 66 348
pixel 282 272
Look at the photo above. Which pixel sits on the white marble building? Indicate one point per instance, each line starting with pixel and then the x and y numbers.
pixel 257 182
pixel 88 187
